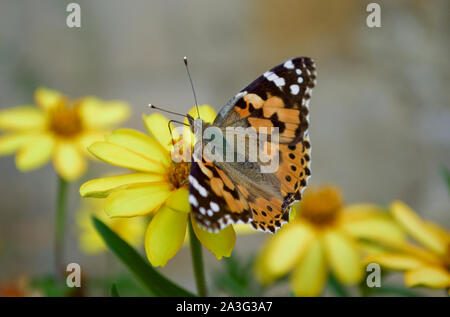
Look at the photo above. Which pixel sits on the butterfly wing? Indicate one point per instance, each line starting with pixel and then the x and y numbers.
pixel 279 98
pixel 215 200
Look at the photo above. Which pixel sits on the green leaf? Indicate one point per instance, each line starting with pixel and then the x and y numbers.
pixel 127 284
pixel 114 291
pixel 337 287
pixel 152 280
pixel 52 288
pixel 235 279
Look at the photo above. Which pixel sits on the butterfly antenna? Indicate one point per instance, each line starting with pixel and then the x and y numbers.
pixel 170 121
pixel 164 110
pixel 169 125
pixel 192 85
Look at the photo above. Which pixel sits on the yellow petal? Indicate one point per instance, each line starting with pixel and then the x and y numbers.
pixel 343 256
pixel 47 98
pixel 165 235
pixel 131 230
pixel 136 200
pixel 91 242
pixel 102 187
pixel 158 127
pixel 35 152
pixel 244 229
pixel 370 248
pixel 88 138
pixel 10 143
pixel 140 143
pixel 417 228
pixel 207 113
pixel 120 156
pixel 371 225
pixel 69 161
pixel 282 251
pixel 21 118
pixel 439 231
pixel 396 261
pixel 178 200
pixel 362 211
pixel 414 250
pixel 429 276
pixel 97 113
pixel 221 244
pixel 311 274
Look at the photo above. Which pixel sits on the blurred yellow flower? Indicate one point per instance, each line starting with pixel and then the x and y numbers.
pixel 322 235
pixel 58 128
pixel 130 229
pixel 428 265
pixel 158 186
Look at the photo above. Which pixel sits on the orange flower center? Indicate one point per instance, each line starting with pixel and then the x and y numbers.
pixel 65 121
pixel 179 173
pixel 321 207
pixel 179 169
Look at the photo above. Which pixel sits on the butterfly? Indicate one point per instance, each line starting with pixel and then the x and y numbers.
pixel 223 193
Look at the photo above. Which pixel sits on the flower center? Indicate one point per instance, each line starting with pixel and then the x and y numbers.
pixel 65 121
pixel 321 207
pixel 179 173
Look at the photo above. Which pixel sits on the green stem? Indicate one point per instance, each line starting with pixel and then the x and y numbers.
pixel 197 261
pixel 337 287
pixel 60 222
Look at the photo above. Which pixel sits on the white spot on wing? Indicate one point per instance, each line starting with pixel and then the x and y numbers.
pixel 202 191
pixel 279 82
pixel 193 201
pixel 289 64
pixel 214 206
pixel 294 89
pixel 272 77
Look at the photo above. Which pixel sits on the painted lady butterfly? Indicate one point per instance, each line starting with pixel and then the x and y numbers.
pixel 221 193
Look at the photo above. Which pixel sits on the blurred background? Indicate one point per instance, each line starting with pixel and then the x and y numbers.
pixel 380 112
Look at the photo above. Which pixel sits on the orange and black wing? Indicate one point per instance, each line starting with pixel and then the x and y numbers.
pixel 277 99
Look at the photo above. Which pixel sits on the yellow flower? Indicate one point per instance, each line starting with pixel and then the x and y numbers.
pixel 323 235
pixel 58 128
pixel 157 186
pixel 90 241
pixel 428 265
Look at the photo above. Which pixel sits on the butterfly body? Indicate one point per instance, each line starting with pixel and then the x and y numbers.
pixel 223 192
